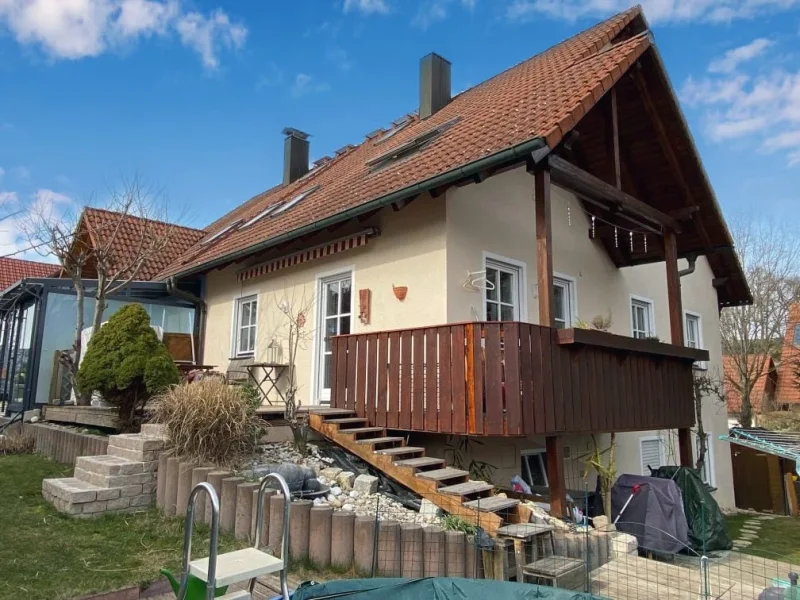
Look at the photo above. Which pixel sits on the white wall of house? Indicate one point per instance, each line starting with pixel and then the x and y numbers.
pixel 496 219
pixel 409 252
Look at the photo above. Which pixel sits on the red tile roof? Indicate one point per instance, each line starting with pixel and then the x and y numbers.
pixel 540 98
pixel 788 382
pixel 100 222
pixel 13 269
pixel 765 382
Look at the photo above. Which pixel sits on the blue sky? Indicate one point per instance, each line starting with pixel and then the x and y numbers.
pixel 192 95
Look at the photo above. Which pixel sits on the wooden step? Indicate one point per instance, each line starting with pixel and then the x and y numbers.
pixel 346 421
pixel 381 440
pixel 467 489
pixel 331 412
pixel 360 430
pixel 420 462
pixel 445 474
pixel 400 451
pixel 492 503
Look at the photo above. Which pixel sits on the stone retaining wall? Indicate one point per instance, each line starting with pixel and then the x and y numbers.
pixel 63 444
pixel 343 540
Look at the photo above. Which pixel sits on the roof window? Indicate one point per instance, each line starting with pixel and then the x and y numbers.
pixel 221 232
pixel 397 126
pixel 267 211
pixel 301 196
pixel 410 147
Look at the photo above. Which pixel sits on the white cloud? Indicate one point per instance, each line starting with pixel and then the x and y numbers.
pixel 305 84
pixel 661 11
pixel 762 105
pixel 432 11
pixel 8 197
pixel 728 62
pixel 75 29
pixel 14 213
pixel 366 7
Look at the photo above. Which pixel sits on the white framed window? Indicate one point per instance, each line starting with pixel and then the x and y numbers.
pixel 693 334
pixel 642 318
pixel 707 472
pixel 504 293
pixel 564 304
pixel 534 467
pixel 244 326
pixel 651 453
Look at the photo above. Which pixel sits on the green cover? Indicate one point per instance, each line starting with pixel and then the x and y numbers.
pixel 439 588
pixel 707 527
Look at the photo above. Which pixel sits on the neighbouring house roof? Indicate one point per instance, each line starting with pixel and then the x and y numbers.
pixel 764 384
pixel 98 222
pixel 528 107
pixel 788 381
pixel 783 444
pixel 14 269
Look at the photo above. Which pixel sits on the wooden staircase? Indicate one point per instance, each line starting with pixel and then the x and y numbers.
pixel 448 488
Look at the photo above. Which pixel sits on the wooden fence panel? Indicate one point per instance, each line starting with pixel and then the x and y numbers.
pixel 445 389
pixel 372 377
pixel 383 369
pixel 511 353
pixel 458 379
pixel 393 415
pixel 418 381
pixel 431 415
pixel 404 420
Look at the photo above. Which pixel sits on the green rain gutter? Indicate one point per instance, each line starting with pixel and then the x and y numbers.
pixel 512 154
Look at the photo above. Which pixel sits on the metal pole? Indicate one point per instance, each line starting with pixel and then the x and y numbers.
pixel 287 498
pixel 187 540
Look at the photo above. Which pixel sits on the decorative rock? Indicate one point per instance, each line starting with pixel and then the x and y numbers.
pixel 335 491
pixel 366 484
pixel 331 473
pixel 622 544
pixel 354 494
pixel 601 523
pixel 345 480
pixel 348 507
pixel 429 509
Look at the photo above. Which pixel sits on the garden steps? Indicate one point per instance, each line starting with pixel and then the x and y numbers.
pixel 447 487
pixel 123 480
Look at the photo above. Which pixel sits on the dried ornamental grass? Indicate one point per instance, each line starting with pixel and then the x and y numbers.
pixel 17 442
pixel 209 421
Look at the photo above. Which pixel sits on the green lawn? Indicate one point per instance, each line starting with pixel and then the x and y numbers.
pixel 778 539
pixel 44 554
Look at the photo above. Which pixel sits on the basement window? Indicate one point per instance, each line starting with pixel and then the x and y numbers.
pixel 410 147
pixel 221 232
pixel 297 199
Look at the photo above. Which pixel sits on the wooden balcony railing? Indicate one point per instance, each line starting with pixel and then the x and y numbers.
pixel 511 379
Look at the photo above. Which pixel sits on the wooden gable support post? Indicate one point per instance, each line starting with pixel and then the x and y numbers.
pixel 676 328
pixel 544 280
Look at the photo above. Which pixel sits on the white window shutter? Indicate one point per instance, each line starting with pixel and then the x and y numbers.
pixel 650 451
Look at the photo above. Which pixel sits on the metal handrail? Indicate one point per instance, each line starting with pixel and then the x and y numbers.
pixel 187 540
pixel 287 499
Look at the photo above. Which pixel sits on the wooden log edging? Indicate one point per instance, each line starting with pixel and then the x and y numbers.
pixel 372 548
pixel 63 444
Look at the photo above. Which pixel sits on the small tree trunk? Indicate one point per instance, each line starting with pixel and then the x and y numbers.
pixel 77 349
pixel 701 432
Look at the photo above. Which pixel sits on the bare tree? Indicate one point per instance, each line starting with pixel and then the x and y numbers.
pixel 604 463
pixel 112 246
pixel 770 256
pixel 707 388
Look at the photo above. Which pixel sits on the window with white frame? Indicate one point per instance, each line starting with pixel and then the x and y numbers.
pixel 244 326
pixel 694 335
pixel 642 318
pixel 651 453
pixel 502 291
pixel 707 472
pixel 563 300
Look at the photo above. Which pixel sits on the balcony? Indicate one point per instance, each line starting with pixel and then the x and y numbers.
pixel 513 379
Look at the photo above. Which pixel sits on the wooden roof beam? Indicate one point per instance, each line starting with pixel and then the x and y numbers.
pixel 585 184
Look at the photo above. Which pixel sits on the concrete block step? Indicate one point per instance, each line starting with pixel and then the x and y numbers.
pixel 381 440
pixel 466 489
pixel 234 567
pixel 136 441
pixel 492 504
pixel 445 474
pixel 154 430
pixel 109 465
pixel 71 490
pixel 134 455
pixel 404 450
pixel 110 481
pixel 420 462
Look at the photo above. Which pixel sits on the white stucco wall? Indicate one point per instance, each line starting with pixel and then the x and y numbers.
pixel 409 252
pixel 497 217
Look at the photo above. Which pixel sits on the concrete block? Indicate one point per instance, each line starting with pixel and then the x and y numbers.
pixel 299 527
pixel 622 544
pixel 184 487
pixel 227 519
pixel 108 465
pixel 118 504
pixel 364 544
pixel 412 549
pixel 345 480
pixel 455 553
pixel 434 551
pixel 142 501
pixel 154 430
pixel 129 491
pixel 342 526
pixel 215 479
pixel 149 488
pixel 242 527
pixel 319 543
pixel 94 507
pixel 133 455
pixel 135 441
pixel 276 519
pixel 388 549
pixel 199 475
pixel 268 493
pixel 108 493
pixel 365 484
pixel 170 486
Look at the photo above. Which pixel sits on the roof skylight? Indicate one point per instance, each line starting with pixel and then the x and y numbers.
pixel 221 232
pixel 267 211
pixel 399 125
pixel 301 196
pixel 410 147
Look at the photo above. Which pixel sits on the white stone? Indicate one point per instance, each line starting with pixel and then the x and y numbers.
pixel 331 473
pixel 601 523
pixel 336 491
pixel 428 509
pixel 366 484
pixel 622 544
pixel 348 507
pixel 345 480
pixel 354 494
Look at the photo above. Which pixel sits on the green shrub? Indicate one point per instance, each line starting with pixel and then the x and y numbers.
pixel 209 421
pixel 126 363
pixel 456 523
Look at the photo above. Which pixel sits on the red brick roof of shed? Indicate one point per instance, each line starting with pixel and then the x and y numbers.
pixel 14 269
